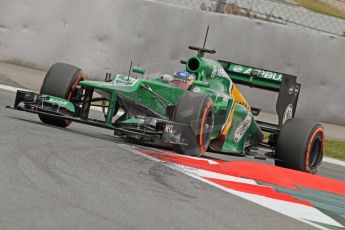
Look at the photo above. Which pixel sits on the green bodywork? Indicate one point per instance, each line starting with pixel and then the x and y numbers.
pixel 214 78
pixel 254 77
pixel 60 102
pixel 234 125
pixel 134 91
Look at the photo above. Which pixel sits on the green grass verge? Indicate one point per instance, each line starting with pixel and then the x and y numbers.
pixel 335 149
pixel 324 7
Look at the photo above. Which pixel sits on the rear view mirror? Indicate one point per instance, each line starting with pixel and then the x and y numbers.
pixel 138 70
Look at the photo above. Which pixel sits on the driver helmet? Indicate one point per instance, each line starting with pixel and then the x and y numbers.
pixel 182 75
pixel 183 79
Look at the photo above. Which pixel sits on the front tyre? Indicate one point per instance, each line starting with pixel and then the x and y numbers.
pixel 301 145
pixel 197 111
pixel 60 81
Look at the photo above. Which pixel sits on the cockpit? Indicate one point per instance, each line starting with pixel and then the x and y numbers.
pixel 183 79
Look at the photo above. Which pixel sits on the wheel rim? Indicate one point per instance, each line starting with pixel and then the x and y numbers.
pixel 316 154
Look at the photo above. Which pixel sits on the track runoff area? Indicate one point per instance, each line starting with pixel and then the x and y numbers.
pixel 312 199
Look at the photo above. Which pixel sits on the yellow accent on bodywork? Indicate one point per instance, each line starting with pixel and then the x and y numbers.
pixel 229 121
pixel 237 97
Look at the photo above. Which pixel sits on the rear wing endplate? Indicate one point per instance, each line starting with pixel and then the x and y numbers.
pixel 284 84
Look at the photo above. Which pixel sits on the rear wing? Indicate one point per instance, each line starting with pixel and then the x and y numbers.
pixel 284 84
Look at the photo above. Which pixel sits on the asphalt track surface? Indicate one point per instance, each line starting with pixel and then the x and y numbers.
pixel 79 178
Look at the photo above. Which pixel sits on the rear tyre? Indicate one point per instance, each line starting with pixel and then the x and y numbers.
pixel 197 111
pixel 300 145
pixel 60 81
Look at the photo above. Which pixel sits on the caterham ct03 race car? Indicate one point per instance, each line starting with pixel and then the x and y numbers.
pixel 195 110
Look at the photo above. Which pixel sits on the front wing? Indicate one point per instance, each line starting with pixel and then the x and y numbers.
pixel 148 129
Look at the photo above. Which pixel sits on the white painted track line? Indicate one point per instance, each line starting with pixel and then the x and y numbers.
pixel 325 159
pixel 333 161
pixel 11 88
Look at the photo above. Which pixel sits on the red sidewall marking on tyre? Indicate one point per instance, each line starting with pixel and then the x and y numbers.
pixel 307 159
pixel 204 117
pixel 79 78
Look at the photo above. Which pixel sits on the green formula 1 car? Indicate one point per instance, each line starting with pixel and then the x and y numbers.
pixel 195 110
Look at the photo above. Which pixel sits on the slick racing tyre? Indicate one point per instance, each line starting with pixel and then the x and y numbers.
pixel 60 81
pixel 197 111
pixel 301 145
